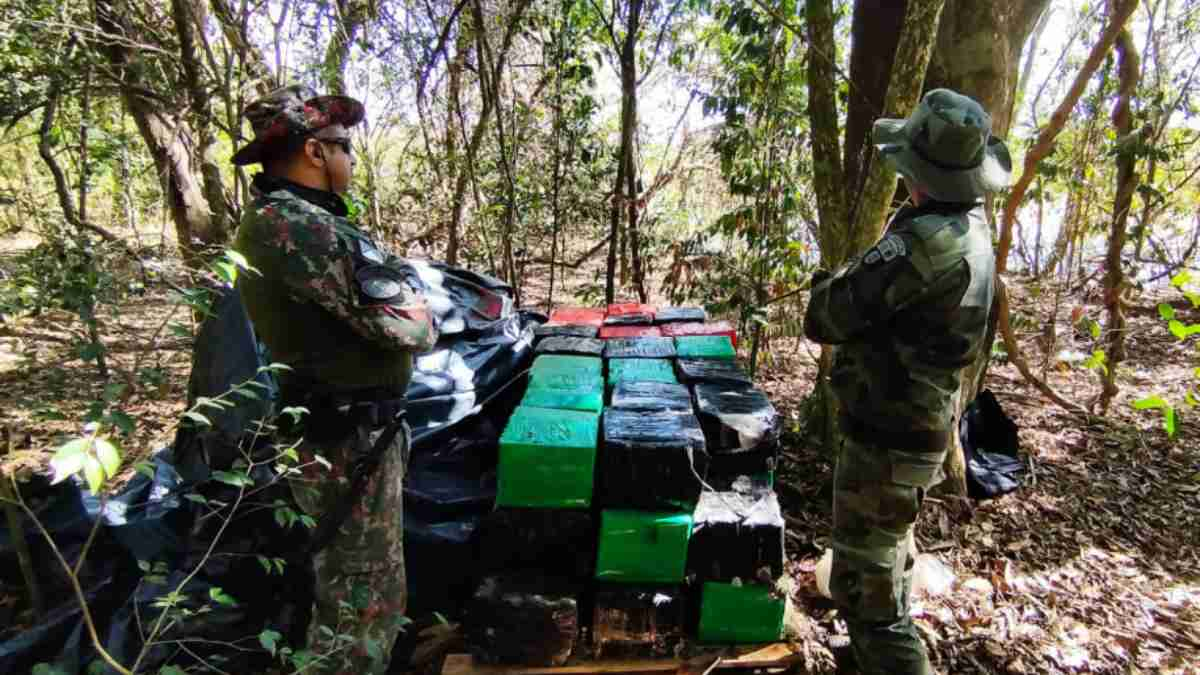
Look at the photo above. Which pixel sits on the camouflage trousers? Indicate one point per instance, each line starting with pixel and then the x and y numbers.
pixel 877 494
pixel 361 588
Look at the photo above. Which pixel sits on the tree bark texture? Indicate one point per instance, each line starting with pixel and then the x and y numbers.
pixel 913 52
pixel 167 138
pixel 978 53
pixel 629 116
pixel 190 17
pixel 456 172
pixel 828 176
pixel 1128 70
pixel 352 15
pixel 874 34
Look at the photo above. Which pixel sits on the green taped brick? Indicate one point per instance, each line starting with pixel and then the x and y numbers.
pixel 739 614
pixel 640 370
pixel 590 399
pixel 643 546
pixel 547 364
pixel 547 458
pixel 705 347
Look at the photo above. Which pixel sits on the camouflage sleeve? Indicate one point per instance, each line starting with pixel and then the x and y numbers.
pixel 316 267
pixel 866 293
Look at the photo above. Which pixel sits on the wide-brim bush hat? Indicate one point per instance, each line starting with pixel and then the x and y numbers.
pixel 293 111
pixel 946 147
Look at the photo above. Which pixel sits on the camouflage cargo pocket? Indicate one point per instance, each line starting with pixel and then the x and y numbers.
pixel 917 469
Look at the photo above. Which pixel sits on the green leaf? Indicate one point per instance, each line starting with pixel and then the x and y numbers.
pixel 1095 330
pixel 68 459
pixel 230 478
pixel 1150 403
pixel 1180 280
pixel 93 472
pixel 237 258
pixel 1169 421
pixel 1166 311
pixel 267 639
pixel 197 418
pixel 171 670
pixel 265 562
pixel 47 669
pixel 1177 329
pixel 193 497
pixel 109 455
pixel 145 468
pixel 308 521
pixel 221 597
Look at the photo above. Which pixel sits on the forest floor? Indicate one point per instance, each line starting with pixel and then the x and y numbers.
pixel 1092 566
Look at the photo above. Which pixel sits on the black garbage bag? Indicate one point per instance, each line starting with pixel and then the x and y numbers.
pixel 989 439
pixel 157 530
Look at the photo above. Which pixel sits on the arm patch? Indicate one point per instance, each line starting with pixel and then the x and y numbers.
pixel 888 249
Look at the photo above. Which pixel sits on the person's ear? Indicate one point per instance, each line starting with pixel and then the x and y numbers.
pixel 314 152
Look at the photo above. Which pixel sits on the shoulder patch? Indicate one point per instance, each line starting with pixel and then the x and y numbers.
pixel 888 249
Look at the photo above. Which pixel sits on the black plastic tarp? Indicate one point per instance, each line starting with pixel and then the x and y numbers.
pixel 460 396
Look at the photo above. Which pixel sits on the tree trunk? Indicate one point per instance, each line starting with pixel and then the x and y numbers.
pixel 874 34
pixel 167 138
pixel 913 51
pixel 352 16
pixel 456 172
pixel 188 16
pixel 828 177
pixel 629 116
pixel 1127 180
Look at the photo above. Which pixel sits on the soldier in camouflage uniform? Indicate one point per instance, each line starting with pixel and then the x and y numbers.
pixel 347 318
pixel 907 315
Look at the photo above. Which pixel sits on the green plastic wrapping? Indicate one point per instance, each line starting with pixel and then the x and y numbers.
pixel 643 546
pixel 705 347
pixel 739 614
pixel 547 458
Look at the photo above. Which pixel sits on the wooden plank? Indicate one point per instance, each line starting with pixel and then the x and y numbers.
pixel 778 655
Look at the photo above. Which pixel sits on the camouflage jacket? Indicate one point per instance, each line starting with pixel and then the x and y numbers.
pixel 909 314
pixel 308 302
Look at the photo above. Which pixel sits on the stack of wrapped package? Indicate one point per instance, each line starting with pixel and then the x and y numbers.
pixel 634 504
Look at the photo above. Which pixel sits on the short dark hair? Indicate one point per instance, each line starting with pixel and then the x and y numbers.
pixel 279 154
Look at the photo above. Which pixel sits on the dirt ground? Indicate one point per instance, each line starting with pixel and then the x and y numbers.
pixel 1093 566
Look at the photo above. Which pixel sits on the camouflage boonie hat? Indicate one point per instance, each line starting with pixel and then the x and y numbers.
pixel 946 147
pixel 294 110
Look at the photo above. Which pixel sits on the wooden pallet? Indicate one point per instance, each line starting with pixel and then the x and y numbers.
pixel 772 658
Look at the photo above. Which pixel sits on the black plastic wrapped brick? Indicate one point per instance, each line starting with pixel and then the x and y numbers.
pixel 651 459
pixel 639 348
pixel 524 618
pixel 561 344
pixel 693 371
pixel 629 320
pixel 735 418
pixel 566 330
pixel 680 314
pixel 651 396
pixel 637 621
pixel 741 429
pixel 737 535
pixel 562 541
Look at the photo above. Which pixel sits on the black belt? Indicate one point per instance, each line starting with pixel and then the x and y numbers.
pixel 913 439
